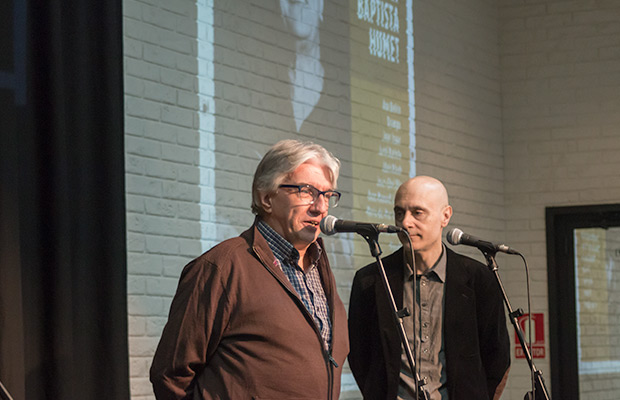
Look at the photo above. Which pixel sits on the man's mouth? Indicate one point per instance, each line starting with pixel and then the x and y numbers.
pixel 313 223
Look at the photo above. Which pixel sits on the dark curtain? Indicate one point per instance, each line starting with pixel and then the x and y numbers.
pixel 69 198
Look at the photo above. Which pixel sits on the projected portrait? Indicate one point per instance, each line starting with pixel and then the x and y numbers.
pixel 302 19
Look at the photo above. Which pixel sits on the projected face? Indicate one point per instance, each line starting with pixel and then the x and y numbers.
pixel 302 17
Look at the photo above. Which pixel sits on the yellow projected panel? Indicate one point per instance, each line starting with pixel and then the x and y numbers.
pixel 380 111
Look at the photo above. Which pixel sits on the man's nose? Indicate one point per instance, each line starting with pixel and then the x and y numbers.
pixel 321 204
pixel 407 220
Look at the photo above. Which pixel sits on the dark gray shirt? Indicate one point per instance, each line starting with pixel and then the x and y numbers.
pixel 429 353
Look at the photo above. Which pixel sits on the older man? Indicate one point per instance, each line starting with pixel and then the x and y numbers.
pixel 258 316
pixel 460 332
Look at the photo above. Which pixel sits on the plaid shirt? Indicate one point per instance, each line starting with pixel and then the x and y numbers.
pixel 307 283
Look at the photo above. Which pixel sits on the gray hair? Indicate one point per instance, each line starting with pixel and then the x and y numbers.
pixel 281 160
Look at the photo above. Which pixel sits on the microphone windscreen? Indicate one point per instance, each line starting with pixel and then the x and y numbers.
pixel 327 225
pixel 454 236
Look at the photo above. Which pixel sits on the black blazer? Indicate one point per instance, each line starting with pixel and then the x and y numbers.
pixel 475 336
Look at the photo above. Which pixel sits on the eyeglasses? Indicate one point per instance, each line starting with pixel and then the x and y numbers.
pixel 309 194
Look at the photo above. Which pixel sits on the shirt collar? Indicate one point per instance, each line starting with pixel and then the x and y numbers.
pixel 438 269
pixel 284 251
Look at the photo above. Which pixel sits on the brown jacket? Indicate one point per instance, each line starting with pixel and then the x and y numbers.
pixel 238 330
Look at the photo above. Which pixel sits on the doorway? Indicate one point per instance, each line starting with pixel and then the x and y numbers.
pixel 583 257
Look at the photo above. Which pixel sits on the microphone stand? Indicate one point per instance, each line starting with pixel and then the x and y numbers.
pixel 4 394
pixel 540 391
pixel 372 235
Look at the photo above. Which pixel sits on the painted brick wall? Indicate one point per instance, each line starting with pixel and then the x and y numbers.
pixel 176 195
pixel 458 108
pixel 459 114
pixel 194 68
pixel 516 109
pixel 560 64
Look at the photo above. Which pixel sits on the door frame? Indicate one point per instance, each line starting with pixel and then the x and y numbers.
pixel 560 224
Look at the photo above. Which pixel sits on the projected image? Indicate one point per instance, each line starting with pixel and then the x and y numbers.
pixel 280 70
pixel 305 71
pixel 337 73
pixel 381 104
pixel 247 75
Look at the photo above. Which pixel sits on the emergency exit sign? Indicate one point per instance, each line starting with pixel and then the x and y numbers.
pixel 537 348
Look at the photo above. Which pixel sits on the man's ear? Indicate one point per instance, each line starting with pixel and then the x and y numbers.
pixel 265 202
pixel 446 215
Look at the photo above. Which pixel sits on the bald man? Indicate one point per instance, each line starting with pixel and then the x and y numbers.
pixel 461 340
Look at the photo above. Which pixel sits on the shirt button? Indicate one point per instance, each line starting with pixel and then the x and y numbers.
pixel 425 351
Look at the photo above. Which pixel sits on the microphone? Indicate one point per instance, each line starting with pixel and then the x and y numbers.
pixel 456 236
pixel 331 225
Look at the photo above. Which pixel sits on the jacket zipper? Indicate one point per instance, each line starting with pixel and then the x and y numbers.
pixel 331 363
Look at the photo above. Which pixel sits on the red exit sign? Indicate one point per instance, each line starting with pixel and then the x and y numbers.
pixel 537 348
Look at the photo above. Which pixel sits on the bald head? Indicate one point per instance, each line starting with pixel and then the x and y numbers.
pixel 432 189
pixel 421 207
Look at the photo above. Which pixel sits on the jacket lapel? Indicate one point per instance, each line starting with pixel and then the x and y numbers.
pixel 261 249
pixel 263 252
pixel 458 298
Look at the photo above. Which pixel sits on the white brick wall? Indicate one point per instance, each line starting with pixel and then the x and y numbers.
pixel 205 89
pixel 458 108
pixel 516 110
pixel 560 69
pixel 164 145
